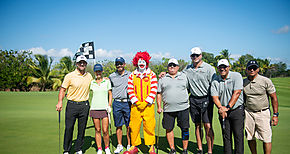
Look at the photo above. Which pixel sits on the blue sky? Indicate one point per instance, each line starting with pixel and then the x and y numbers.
pixel 165 28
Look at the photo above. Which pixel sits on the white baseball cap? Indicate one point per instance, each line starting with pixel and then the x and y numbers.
pixel 223 62
pixel 195 50
pixel 81 57
pixel 173 60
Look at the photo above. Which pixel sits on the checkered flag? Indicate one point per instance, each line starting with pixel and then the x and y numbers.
pixel 86 49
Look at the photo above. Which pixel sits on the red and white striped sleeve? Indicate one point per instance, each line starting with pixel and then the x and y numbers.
pixel 151 97
pixel 130 90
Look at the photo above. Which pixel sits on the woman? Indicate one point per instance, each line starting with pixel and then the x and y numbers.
pixel 101 107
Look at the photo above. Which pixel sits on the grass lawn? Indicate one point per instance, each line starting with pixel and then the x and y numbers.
pixel 29 124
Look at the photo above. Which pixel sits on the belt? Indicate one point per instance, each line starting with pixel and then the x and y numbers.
pixel 259 110
pixel 82 102
pixel 122 100
pixel 199 97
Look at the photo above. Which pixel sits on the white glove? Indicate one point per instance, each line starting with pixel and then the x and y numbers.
pixel 109 109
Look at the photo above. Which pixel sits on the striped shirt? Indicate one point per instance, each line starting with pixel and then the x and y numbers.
pixel 142 86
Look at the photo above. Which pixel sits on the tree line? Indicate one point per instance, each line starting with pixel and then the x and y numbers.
pixel 21 70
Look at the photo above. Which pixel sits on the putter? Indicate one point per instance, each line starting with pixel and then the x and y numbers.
pixel 201 124
pixel 59 132
pixel 158 129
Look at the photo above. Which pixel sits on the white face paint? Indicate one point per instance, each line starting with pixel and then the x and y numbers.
pixel 141 64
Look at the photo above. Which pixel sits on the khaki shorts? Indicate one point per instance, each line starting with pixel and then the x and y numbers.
pixel 258 125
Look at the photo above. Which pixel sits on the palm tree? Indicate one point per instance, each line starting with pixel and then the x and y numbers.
pixel 41 72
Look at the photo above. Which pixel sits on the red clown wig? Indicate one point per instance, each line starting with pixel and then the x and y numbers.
pixel 144 55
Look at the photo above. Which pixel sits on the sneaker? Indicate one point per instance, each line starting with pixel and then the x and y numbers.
pixel 184 151
pixel 132 150
pixel 79 152
pixel 100 151
pixel 172 151
pixel 119 148
pixel 65 153
pixel 199 151
pixel 152 150
pixel 107 151
pixel 128 147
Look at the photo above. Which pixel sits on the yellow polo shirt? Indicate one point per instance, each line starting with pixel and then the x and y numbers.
pixel 77 85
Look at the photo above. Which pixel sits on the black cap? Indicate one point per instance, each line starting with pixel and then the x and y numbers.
pixel 252 63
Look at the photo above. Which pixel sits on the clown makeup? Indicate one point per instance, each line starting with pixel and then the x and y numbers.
pixel 141 64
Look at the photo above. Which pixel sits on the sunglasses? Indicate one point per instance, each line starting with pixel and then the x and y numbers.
pixel 253 68
pixel 172 65
pixel 82 63
pixel 195 55
pixel 118 63
pixel 222 67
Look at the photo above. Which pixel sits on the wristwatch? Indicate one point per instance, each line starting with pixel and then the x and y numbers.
pixel 228 106
pixel 276 114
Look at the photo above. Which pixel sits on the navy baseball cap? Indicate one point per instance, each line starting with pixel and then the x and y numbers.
pixel 120 59
pixel 252 63
pixel 98 67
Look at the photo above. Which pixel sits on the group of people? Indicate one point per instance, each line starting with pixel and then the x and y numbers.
pixel 242 103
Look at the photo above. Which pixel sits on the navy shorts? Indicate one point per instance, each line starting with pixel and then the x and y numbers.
pixel 168 120
pixel 121 113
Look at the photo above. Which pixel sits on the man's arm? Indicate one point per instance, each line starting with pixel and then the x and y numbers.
pixel 222 110
pixel 159 99
pixel 274 101
pixel 61 95
pixel 235 97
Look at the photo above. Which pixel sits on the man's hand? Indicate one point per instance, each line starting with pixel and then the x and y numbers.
pixel 162 74
pixel 59 106
pixel 223 111
pixel 159 110
pixel 275 121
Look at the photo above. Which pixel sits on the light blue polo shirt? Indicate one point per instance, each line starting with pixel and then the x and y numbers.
pixel 200 79
pixel 225 88
pixel 174 92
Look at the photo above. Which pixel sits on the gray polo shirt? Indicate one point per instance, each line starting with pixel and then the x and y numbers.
pixel 256 93
pixel 119 84
pixel 225 88
pixel 200 79
pixel 174 92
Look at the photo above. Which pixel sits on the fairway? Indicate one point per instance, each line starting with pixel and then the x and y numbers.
pixel 29 124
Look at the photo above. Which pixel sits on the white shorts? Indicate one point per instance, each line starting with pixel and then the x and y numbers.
pixel 258 125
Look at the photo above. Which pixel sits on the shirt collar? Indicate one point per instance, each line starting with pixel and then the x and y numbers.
pixel 177 75
pixel 78 73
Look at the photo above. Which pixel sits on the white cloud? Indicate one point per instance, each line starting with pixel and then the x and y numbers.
pixel 235 56
pixel 52 52
pixel 282 30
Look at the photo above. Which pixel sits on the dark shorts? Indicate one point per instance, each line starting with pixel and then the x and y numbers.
pixel 121 113
pixel 197 105
pixel 98 114
pixel 168 120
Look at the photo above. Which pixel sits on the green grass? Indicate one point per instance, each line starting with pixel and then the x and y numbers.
pixel 29 124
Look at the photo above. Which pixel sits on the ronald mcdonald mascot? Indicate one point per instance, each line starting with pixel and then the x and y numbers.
pixel 142 89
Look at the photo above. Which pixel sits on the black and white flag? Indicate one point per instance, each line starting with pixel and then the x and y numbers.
pixel 86 49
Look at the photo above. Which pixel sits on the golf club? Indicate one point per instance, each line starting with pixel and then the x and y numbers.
pixel 59 132
pixel 110 130
pixel 158 129
pixel 201 124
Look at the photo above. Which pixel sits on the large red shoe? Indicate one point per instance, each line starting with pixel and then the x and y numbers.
pixel 132 150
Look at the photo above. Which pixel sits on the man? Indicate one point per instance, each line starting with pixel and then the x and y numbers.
pixel 142 89
pixel 172 89
pixel 200 75
pixel 257 88
pixel 226 91
pixel 121 104
pixel 77 84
